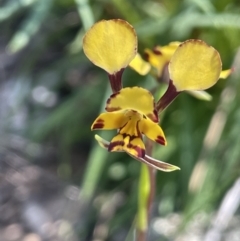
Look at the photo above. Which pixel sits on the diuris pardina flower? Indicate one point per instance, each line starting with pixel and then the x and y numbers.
pixel 194 66
pixel 132 112
pixel 112 45
pixel 159 58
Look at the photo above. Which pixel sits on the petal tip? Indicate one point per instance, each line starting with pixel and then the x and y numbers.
pixel 98 124
pixel 161 140
pixel 103 143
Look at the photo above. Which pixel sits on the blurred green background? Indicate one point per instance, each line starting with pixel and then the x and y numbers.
pixel 55 182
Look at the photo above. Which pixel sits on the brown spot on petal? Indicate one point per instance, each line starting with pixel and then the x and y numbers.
pixel 160 140
pixel 111 97
pixel 112 145
pixel 146 56
pixel 114 95
pixel 98 126
pixel 157 52
pixel 139 150
pixel 111 109
pixel 100 120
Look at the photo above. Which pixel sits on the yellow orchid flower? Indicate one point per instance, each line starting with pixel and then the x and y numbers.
pixel 112 45
pixel 159 58
pixel 194 66
pixel 132 112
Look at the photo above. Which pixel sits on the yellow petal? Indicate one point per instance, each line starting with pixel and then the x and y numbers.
pixel 130 144
pixel 139 65
pixel 131 127
pixel 194 66
pixel 109 121
pixel 225 73
pixel 111 44
pixel 160 56
pixel 157 60
pixel 169 50
pixel 133 98
pixel 153 131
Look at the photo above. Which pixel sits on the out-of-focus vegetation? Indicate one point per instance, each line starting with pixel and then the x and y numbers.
pixel 50 94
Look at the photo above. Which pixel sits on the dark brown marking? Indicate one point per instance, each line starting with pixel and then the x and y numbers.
pixel 100 120
pixel 157 52
pixel 114 144
pixel 116 80
pixel 98 126
pixel 146 56
pixel 111 109
pixel 139 150
pixel 160 140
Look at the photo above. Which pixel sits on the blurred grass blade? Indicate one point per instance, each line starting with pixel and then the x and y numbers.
pixel 95 163
pixel 183 23
pixel 125 7
pixel 30 26
pixel 85 13
pixel 228 208
pixel 76 45
pixel 205 5
pixel 87 18
pixel 12 7
pixel 208 173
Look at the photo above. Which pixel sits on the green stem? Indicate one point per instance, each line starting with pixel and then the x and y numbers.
pixel 143 195
pixel 146 193
pixel 85 13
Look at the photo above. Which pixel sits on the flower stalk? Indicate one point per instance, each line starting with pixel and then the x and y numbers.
pixel 116 81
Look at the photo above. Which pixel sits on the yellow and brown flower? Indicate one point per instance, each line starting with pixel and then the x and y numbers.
pixel 132 112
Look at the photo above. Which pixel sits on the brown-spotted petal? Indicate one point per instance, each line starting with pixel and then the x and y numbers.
pixel 109 121
pixel 133 98
pixel 130 144
pixel 153 131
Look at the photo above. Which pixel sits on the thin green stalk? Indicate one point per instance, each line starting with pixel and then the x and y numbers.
pixel 144 190
pixel 12 7
pixel 146 193
pixel 86 15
